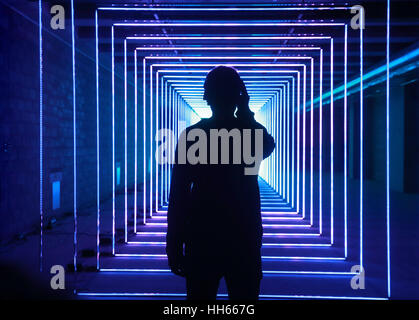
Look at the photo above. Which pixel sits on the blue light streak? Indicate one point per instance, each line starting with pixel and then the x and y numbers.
pixel 331 146
pixel 113 141
pixel 388 147
pixel 298 8
pixel 361 137
pixel 135 143
pixel 144 150
pixel 345 146
pixel 41 140
pixel 73 55
pixel 262 296
pixel 97 146
pixel 125 145
pixel 321 146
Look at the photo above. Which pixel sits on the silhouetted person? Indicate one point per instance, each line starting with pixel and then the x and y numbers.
pixel 214 219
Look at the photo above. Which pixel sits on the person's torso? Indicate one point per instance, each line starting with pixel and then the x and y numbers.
pixel 224 202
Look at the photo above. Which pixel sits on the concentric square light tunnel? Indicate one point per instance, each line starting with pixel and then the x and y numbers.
pixel 94 104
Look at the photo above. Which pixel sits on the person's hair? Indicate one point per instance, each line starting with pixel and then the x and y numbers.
pixel 222 85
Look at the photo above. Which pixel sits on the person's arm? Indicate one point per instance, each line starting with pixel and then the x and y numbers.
pixel 246 116
pixel 176 216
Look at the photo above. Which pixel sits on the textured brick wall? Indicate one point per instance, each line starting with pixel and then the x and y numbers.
pixel 19 129
pixel 19 114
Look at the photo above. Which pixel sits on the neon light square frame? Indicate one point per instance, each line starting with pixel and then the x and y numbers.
pixel 151 122
pixel 41 108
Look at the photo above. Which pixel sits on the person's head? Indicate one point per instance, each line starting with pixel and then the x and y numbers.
pixel 222 90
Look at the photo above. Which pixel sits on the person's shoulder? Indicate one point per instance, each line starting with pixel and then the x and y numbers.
pixel 202 124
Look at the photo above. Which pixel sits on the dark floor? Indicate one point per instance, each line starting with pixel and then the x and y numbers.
pixel 297 262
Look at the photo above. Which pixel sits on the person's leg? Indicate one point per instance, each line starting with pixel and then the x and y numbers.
pixel 243 277
pixel 243 287
pixel 202 275
pixel 202 286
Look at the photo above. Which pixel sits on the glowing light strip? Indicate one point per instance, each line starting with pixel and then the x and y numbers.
pixel 266 296
pixel 298 143
pixel 224 37
pixel 321 146
pixel 373 73
pixel 263 218
pixel 345 146
pixel 331 145
pixel 161 126
pixel 223 8
pixel 302 258
pixel 186 83
pixel 275 120
pixel 311 170
pixel 113 142
pixel 226 57
pixel 265 234
pixel 311 272
pixel 41 139
pixel 151 137
pixel 178 88
pixel 289 114
pixel 259 92
pixel 311 140
pixel 166 165
pixel 276 132
pixel 304 149
pixel 269 244
pixel 235 64
pixel 279 104
pixel 361 136
pixel 227 24
pixel 272 272
pixel 164 211
pixel 223 48
pixel 284 173
pixel 273 225
pixel 164 257
pixel 207 70
pixel 97 148
pixel 304 164
pixel 281 138
pixel 135 142
pixel 125 145
pixel 166 38
pixel 388 147
pixel 178 101
pixel 190 70
pixel 293 141
pixel 203 77
pixel 73 55
pixel 144 152
pixel 125 24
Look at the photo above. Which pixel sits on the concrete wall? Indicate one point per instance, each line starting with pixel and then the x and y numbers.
pixel 411 131
pixel 404 131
